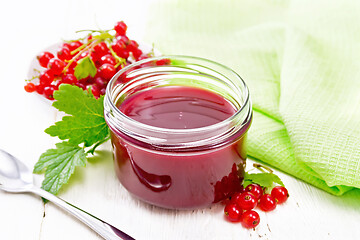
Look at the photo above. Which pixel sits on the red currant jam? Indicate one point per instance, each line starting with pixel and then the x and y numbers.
pixel 177 178
pixel 177 107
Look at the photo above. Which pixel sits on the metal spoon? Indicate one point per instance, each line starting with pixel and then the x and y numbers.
pixel 15 177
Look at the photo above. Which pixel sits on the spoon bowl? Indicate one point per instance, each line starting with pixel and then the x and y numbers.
pixel 15 177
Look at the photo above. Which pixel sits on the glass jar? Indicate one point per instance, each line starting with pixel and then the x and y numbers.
pixel 179 168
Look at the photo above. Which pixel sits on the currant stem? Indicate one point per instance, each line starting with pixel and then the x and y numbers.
pixel 92 30
pixel 78 49
pixel 97 144
pixel 120 61
pixel 91 45
pixel 29 80
pixel 262 167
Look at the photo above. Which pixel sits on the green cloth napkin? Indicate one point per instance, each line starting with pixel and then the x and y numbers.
pixel 301 61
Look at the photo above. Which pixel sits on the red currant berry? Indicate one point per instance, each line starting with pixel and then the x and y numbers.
pixel 267 203
pixel 124 39
pixel 49 92
pixel 69 79
pixel 89 37
pixel 233 212
pixel 30 87
pixel 108 58
pixel 250 219
pixel 133 46
pixel 137 53
pixel 280 193
pixel 56 66
pixel 71 68
pixel 118 47
pixel 64 54
pixel 255 189
pixel 39 88
pixel 44 58
pixel 124 54
pixel 46 77
pixel 120 28
pixel 246 200
pixel 107 71
pixel 87 81
pixel 80 85
pixel 74 45
pixel 95 91
pixel 100 82
pixel 100 50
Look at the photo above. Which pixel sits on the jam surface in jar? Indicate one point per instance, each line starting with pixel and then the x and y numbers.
pixel 177 107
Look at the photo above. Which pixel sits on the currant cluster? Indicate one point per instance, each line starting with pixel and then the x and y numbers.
pixel 240 206
pixel 105 53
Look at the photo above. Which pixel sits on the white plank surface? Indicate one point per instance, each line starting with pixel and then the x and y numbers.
pixel 29 26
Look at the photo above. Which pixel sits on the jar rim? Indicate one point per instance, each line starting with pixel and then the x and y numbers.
pixel 244 106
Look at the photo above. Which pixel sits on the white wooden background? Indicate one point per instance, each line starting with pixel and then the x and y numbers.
pixel 29 26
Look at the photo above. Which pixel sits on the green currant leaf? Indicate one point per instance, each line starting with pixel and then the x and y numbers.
pixel 85 67
pixel 263 179
pixel 59 164
pixel 86 123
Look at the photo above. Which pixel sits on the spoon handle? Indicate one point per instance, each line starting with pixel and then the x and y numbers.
pixel 104 229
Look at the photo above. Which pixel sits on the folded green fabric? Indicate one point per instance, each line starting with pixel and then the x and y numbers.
pixel 301 61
